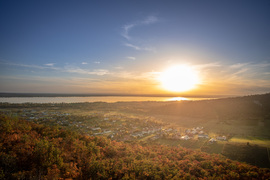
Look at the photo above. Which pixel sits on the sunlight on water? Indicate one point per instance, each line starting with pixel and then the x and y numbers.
pixel 108 99
pixel 178 99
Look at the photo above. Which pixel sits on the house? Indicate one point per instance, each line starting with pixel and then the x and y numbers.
pixel 221 138
pixel 201 132
pixel 107 131
pixel 203 136
pixel 135 135
pixel 168 130
pixel 186 137
pixel 187 131
pixel 212 140
pixel 96 129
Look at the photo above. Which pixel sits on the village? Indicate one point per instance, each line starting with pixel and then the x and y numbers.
pixel 116 126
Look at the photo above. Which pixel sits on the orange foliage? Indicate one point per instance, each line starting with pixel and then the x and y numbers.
pixel 28 150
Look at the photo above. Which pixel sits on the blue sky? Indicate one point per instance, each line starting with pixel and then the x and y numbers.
pixel 122 46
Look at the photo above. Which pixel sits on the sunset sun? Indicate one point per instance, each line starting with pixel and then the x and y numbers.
pixel 179 78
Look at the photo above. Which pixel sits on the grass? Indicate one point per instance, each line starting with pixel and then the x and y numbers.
pixel 191 144
pixel 252 141
pixel 216 147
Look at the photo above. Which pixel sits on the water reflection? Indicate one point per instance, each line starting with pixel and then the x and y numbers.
pixel 108 99
pixel 178 99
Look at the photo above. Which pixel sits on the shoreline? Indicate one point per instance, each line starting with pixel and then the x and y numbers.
pixel 92 99
pixel 2 95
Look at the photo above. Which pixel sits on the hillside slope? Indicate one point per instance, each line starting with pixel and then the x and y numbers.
pixel 237 107
pixel 31 151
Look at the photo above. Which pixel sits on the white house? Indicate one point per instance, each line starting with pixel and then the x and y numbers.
pixel 194 131
pixel 203 136
pixel 186 137
pixel 96 129
pixel 212 140
pixel 221 138
pixel 107 131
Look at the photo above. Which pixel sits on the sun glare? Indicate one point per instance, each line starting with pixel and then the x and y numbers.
pixel 179 78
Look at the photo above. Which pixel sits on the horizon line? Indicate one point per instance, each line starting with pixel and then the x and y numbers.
pixel 12 94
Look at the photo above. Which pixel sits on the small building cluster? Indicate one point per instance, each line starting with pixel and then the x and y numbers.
pixel 191 133
pixel 200 134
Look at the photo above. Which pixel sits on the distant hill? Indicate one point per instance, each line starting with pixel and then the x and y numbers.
pixel 224 108
pixel 32 151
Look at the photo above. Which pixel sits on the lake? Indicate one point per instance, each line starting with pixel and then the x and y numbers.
pixel 109 99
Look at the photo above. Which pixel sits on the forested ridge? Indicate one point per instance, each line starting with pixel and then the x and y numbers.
pixel 33 151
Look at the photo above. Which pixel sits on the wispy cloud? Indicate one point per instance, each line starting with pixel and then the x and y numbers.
pixel 153 75
pixel 238 65
pixel 46 66
pixel 118 67
pixel 138 48
pixel 250 68
pixel 261 65
pixel 67 68
pixel 133 46
pixel 97 62
pixel 150 20
pixel 49 64
pixel 128 27
pixel 100 72
pixel 239 73
pixel 74 69
pixel 84 63
pixel 131 58
pixel 208 65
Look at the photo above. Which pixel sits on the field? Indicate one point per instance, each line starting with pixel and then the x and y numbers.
pixel 245 124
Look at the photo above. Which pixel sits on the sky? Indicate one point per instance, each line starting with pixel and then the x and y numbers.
pixel 122 47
